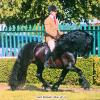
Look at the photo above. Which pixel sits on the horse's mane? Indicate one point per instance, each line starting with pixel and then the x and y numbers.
pixel 71 34
pixel 71 41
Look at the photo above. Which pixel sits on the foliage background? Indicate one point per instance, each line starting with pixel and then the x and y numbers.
pixel 89 67
pixel 34 11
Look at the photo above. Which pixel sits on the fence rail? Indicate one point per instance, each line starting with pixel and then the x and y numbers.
pixel 12 38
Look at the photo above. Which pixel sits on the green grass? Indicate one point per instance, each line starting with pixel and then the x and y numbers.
pixel 64 93
pixel 40 95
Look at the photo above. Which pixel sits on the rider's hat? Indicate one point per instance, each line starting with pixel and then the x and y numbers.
pixel 52 8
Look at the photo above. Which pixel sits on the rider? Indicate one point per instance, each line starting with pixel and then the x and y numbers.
pixel 51 28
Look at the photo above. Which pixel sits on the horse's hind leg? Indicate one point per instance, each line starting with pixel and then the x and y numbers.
pixel 83 82
pixel 57 84
pixel 40 68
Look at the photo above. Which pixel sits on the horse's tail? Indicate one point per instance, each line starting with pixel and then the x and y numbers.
pixel 19 71
pixel 14 77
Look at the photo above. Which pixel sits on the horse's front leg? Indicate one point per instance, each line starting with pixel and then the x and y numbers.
pixel 57 84
pixel 83 82
pixel 40 69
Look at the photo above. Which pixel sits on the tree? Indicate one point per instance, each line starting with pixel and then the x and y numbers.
pixel 34 11
pixel 25 11
pixel 78 9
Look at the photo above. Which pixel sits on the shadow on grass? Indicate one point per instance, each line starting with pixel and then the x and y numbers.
pixel 35 88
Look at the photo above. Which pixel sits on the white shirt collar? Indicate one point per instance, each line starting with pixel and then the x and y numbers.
pixel 51 16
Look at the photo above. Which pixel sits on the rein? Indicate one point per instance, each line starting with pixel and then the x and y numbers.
pixel 52 36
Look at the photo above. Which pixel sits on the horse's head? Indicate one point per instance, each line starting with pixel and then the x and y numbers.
pixel 88 46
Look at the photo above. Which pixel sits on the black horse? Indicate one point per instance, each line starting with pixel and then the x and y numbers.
pixel 64 56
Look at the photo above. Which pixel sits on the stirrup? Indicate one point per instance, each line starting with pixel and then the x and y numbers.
pixel 46 63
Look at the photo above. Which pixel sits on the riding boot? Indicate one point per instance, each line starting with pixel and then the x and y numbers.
pixel 47 56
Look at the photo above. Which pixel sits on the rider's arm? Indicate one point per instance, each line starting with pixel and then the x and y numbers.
pixel 59 32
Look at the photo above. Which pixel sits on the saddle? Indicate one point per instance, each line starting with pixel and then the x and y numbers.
pixel 52 61
pixel 41 51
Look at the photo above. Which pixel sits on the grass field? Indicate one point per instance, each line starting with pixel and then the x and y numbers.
pixel 64 93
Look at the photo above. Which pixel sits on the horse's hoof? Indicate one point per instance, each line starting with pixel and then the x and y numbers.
pixel 86 88
pixel 13 88
pixel 54 88
pixel 45 87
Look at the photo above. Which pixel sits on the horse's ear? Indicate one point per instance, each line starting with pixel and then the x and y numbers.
pixel 89 41
pixel 90 38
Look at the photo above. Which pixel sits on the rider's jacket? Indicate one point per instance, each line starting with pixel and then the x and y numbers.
pixel 51 29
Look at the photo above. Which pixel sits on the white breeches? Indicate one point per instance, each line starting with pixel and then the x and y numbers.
pixel 51 44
